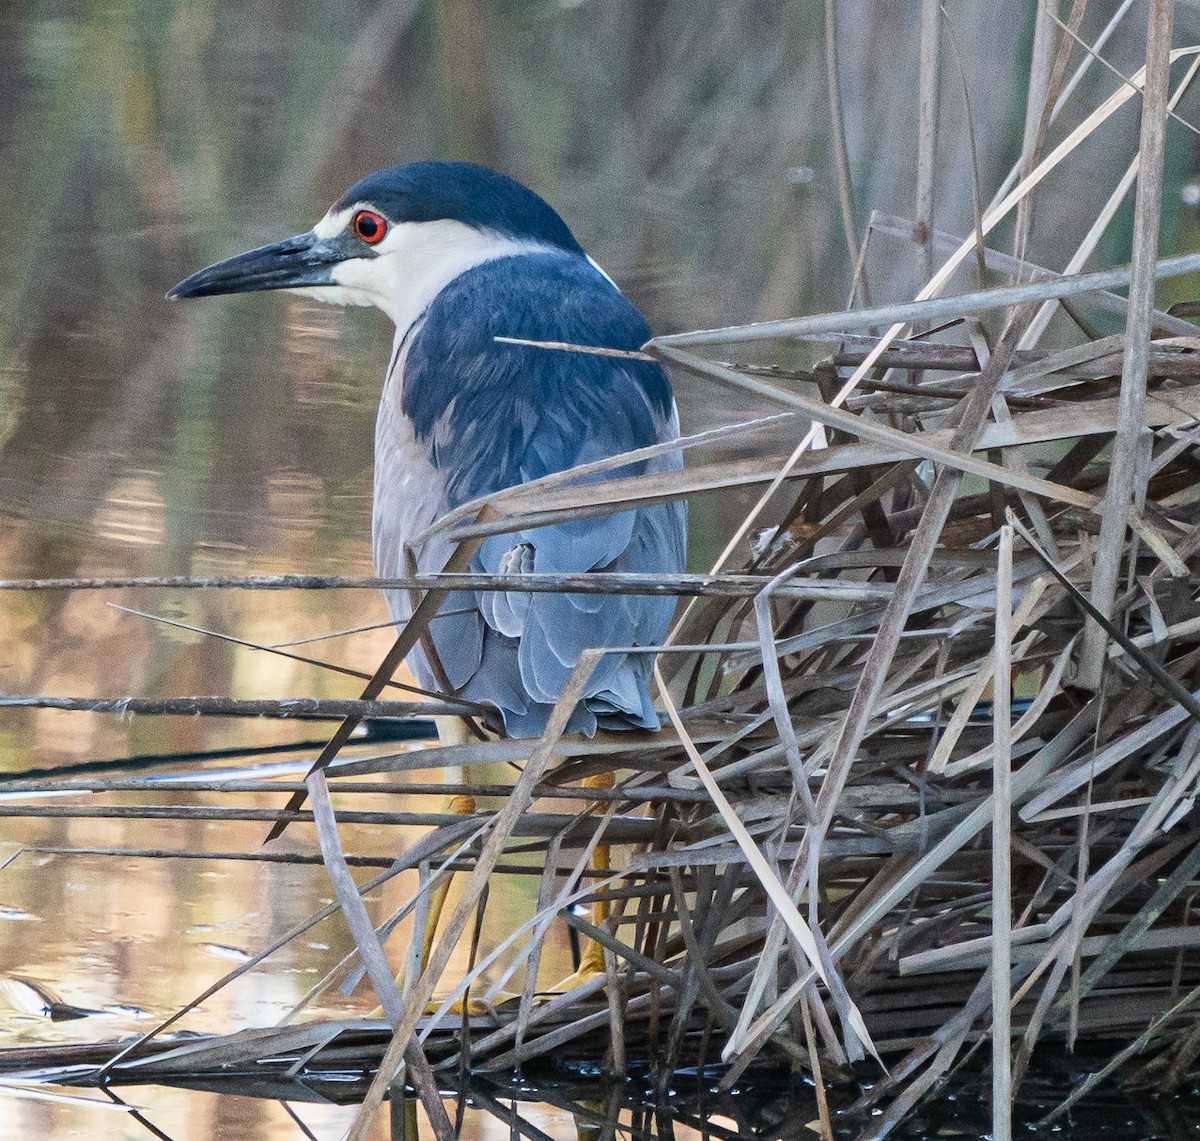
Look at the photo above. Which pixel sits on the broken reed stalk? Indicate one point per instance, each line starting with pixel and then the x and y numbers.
pixel 834 798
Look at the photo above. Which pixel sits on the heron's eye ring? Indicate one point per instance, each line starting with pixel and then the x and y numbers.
pixel 369 226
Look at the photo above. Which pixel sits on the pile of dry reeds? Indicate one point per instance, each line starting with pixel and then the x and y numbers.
pixel 931 750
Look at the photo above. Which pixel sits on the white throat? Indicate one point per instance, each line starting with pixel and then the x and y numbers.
pixel 413 264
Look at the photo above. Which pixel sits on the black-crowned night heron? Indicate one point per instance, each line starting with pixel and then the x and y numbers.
pixel 458 256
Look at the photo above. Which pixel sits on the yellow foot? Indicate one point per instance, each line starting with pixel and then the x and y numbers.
pixel 586 973
pixel 478 1006
pixel 591 965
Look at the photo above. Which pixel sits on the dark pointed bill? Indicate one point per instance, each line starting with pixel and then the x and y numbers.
pixel 302 261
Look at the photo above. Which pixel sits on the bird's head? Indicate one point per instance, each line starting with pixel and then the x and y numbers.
pixel 395 239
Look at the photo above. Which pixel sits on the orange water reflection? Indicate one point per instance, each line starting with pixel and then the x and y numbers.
pixel 224 1117
pixel 136 938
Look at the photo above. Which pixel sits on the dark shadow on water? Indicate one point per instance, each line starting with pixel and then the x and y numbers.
pixel 768 1104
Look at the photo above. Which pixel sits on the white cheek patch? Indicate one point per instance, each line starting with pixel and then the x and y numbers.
pixel 358 282
pixel 329 294
pixel 334 222
pixel 357 273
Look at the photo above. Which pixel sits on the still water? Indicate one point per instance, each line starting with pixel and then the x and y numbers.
pixel 687 145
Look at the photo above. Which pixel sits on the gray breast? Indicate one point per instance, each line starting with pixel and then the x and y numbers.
pixel 409 495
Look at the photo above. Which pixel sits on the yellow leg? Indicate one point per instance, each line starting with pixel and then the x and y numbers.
pixel 591 962
pixel 451 731
pixel 405 1126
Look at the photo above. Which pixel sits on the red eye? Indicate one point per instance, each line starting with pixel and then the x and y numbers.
pixel 369 226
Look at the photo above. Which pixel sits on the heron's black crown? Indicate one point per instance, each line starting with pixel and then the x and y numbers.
pixel 462 192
